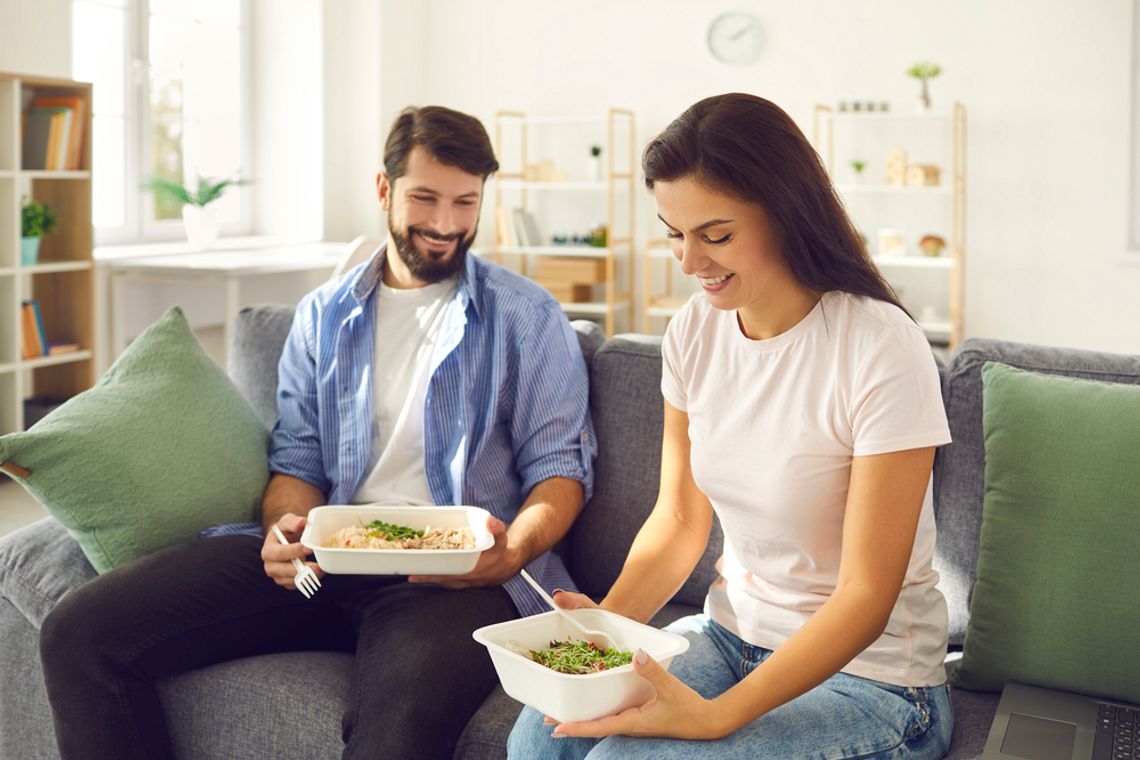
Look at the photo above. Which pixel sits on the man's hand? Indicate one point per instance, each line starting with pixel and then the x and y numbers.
pixel 495 565
pixel 278 557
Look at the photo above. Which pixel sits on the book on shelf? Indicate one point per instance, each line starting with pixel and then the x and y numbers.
pixel 53 133
pixel 55 348
pixel 32 340
pixel 70 148
pixel 504 232
pixel 525 228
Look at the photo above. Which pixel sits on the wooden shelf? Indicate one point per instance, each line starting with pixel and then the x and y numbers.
pixel 941 203
pixel 522 184
pixel 48 268
pixel 577 251
pixel 615 132
pixel 915 262
pixel 45 174
pixel 63 281
pixel 916 190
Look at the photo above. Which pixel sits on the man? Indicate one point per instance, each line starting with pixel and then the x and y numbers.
pixel 424 376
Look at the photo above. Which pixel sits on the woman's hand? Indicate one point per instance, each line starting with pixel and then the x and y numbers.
pixel 677 711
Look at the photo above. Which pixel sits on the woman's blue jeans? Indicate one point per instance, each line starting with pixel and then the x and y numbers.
pixel 844 717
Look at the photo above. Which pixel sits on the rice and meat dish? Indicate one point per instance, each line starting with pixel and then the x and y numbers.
pixel 381 535
pixel 579 657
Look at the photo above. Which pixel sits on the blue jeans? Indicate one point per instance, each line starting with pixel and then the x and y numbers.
pixel 844 717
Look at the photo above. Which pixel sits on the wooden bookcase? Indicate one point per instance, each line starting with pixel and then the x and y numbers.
pixel 519 137
pixel 62 281
pixel 931 287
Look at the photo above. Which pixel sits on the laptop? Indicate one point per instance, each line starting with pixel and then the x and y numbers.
pixel 1042 724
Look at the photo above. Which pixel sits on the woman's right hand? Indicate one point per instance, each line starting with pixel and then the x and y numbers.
pixel 572 600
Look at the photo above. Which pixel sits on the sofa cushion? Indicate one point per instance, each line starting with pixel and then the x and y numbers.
pixel 257 339
pixel 39 563
pixel 628 412
pixel 1059 527
pixel 284 706
pixel 161 447
pixel 959 467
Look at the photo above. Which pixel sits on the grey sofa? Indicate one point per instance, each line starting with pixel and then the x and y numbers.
pixel 249 708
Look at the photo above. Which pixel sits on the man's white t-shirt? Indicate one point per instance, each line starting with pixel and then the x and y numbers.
pixel 773 426
pixel 408 326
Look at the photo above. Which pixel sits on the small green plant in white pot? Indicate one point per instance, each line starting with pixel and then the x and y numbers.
pixel 924 71
pixel 199 212
pixel 857 167
pixel 36 220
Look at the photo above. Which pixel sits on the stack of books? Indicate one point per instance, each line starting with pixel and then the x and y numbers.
pixel 35 342
pixel 53 133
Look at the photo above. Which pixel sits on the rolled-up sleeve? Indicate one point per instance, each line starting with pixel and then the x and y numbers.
pixel 551 430
pixel 295 448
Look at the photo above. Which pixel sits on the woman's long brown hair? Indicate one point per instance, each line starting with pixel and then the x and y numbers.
pixel 747 147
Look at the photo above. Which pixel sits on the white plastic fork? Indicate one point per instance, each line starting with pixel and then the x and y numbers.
pixel 306 580
pixel 597 638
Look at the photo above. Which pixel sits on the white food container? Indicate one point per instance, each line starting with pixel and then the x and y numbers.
pixel 567 697
pixel 325 521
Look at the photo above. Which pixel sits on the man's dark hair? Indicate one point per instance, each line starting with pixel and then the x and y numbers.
pixel 451 137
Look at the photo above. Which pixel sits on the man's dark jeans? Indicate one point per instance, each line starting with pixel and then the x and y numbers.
pixel 418 676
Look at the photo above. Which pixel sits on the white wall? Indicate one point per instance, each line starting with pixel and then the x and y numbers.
pixel 35 37
pixel 288 120
pixel 1046 82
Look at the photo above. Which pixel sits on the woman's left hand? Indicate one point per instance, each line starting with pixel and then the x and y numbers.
pixel 677 711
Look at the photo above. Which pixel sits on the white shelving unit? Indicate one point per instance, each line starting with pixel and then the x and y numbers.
pixel 908 208
pixel 517 136
pixel 63 279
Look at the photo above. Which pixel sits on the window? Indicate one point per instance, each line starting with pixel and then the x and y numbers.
pixel 171 100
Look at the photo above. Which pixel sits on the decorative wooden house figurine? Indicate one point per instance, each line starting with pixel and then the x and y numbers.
pixel 918 175
pixel 896 167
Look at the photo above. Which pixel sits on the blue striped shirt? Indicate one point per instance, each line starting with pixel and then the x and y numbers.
pixel 507 402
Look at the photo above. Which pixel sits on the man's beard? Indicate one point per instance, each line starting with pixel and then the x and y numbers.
pixel 427 268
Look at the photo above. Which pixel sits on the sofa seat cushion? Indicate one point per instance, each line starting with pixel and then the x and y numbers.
pixel 973 714
pixel 39 563
pixel 285 706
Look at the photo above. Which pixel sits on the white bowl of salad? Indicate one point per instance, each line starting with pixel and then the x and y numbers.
pixel 374 540
pixel 543 662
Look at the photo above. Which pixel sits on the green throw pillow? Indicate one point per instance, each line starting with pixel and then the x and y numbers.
pixel 1056 603
pixel 161 447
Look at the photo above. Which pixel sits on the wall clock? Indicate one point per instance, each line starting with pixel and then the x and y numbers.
pixel 735 38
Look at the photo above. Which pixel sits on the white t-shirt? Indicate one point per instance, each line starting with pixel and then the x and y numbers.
pixel 773 426
pixel 408 325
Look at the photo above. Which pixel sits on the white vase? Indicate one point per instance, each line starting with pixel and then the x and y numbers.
pixel 594 171
pixel 201 223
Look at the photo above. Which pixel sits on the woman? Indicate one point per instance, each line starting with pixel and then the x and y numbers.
pixel 802 406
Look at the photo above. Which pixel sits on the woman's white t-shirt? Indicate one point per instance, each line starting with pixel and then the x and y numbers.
pixel 773 426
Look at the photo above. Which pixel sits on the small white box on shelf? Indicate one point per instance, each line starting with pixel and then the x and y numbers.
pixel 891 243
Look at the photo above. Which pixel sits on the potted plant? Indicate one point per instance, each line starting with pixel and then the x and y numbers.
pixel 199 215
pixel 594 164
pixel 36 220
pixel 924 71
pixel 858 166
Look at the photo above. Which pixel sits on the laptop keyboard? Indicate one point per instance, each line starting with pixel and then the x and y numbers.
pixel 1116 733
